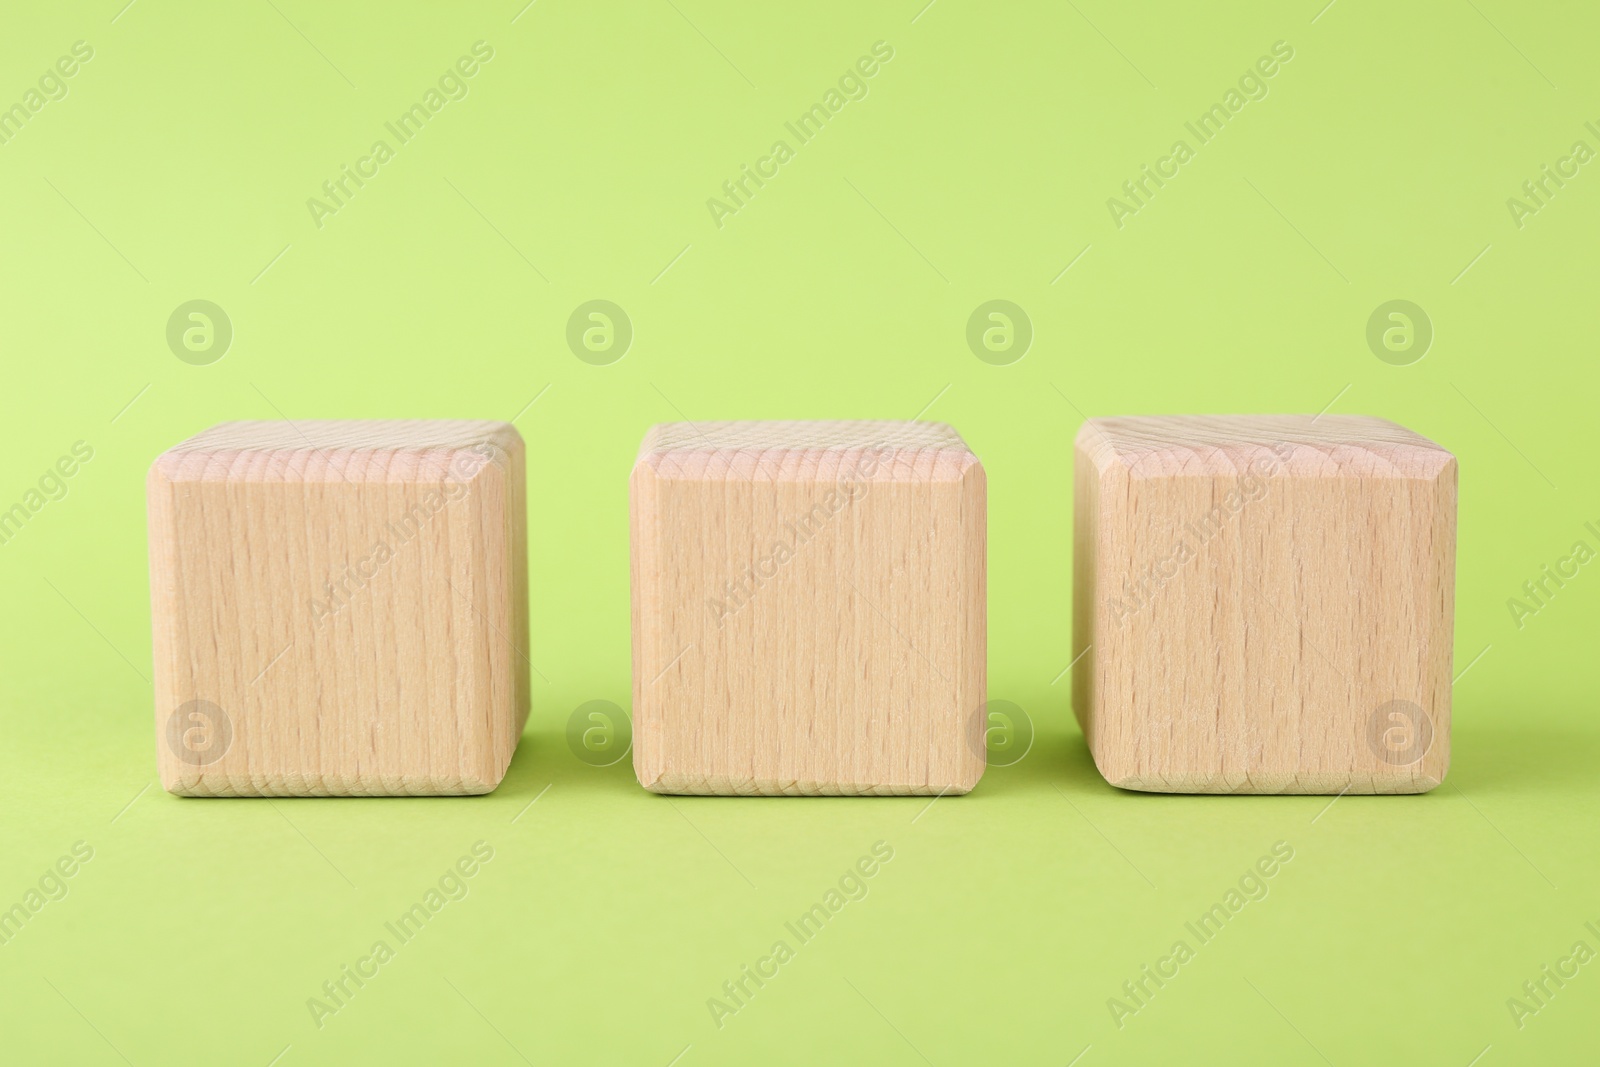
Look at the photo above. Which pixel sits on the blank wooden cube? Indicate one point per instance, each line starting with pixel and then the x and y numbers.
pixel 808 609
pixel 339 608
pixel 1264 604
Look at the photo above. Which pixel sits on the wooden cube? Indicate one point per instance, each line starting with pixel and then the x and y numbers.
pixel 339 608
pixel 1264 604
pixel 808 609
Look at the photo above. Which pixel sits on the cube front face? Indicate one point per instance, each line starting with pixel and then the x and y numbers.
pixel 809 609
pixel 1266 602
pixel 339 613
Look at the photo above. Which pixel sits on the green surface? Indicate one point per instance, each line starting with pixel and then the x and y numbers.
pixel 978 165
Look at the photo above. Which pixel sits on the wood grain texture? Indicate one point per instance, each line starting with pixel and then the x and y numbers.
pixel 339 608
pixel 808 609
pixel 1264 604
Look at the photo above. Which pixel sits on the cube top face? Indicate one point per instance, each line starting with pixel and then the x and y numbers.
pixel 1339 446
pixel 1264 603
pixel 342 450
pixel 809 609
pixel 339 608
pixel 807 450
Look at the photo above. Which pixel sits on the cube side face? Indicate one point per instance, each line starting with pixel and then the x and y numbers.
pixel 1086 479
pixel 357 637
pixel 1272 630
pixel 1396 738
pixel 514 538
pixel 809 635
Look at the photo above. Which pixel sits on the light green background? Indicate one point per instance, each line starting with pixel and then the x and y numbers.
pixel 978 167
